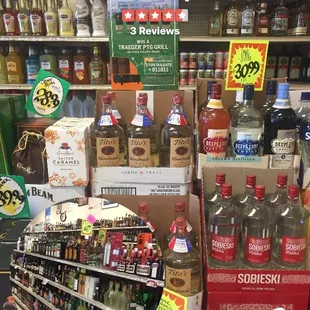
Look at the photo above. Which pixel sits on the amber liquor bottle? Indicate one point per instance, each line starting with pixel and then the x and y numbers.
pixel 176 138
pixel 107 139
pixel 142 139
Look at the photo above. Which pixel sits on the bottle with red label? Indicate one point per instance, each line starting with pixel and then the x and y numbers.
pixel 256 225
pixel 290 245
pixel 223 230
pixel 10 19
pixel 247 197
pixel 214 123
pixel 280 196
pixel 37 20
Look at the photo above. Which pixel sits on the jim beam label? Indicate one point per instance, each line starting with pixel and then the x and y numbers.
pixel 180 152
pixel 139 153
pixel 179 280
pixel 108 152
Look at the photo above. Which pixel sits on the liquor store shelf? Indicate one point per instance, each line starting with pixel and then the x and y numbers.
pixel 286 39
pixel 78 230
pixel 65 289
pixel 53 39
pixel 19 303
pixel 99 270
pixel 49 305
pixel 78 87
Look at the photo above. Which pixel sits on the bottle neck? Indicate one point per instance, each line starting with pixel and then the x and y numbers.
pixel 248 102
pixel 271 98
pixel 259 203
pixel 113 104
pixel 142 110
pixel 218 188
pixel 226 202
pixel 282 104
pixel 177 109
pixel 8 4
pixel 293 202
pixel 281 190
pixel 249 191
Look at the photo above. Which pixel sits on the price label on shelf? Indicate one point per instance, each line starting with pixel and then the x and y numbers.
pixel 172 301
pixel 246 64
pixel 47 95
pixel 87 228
pixel 13 197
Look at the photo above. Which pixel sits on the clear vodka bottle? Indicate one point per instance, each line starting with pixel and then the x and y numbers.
pixel 256 229
pixel 223 230
pixel 303 111
pixel 246 198
pixel 290 245
pixel 280 196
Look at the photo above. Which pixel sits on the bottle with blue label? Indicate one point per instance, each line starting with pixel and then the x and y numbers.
pixel 303 111
pixel 280 130
pixel 246 126
pixel 304 129
pixel 32 65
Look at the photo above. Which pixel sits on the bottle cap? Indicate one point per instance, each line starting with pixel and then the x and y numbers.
pixel 305 96
pixel 259 192
pixel 216 91
pixel 239 96
pixel 248 92
pixel 271 88
pixel 209 87
pixel 282 180
pixel 220 179
pixel 142 101
pixel 283 91
pixel 293 192
pixel 226 191
pixel 111 94
pixel 177 99
pixel 180 222
pixel 250 181
pixel 143 207
pixel 143 95
pixel 106 99
pixel 180 206
pixel 175 94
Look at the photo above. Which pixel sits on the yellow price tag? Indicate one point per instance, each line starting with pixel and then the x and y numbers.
pixel 172 301
pixel 246 64
pixel 87 228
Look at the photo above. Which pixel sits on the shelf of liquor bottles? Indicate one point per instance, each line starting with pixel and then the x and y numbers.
pixel 19 303
pixel 29 291
pixel 151 282
pixel 64 289
pixel 53 39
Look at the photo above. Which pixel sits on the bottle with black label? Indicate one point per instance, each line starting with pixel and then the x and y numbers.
pixel 294 72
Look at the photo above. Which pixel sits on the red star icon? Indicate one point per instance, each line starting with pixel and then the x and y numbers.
pixel 141 15
pixel 128 15
pixel 155 15
pixel 168 15
pixel 181 15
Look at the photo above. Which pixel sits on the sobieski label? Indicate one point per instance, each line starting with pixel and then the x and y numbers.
pixel 293 250
pixel 223 248
pixel 258 250
pixel 304 131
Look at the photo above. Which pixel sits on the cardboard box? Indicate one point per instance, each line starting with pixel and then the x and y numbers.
pixel 246 280
pixel 259 301
pixel 43 196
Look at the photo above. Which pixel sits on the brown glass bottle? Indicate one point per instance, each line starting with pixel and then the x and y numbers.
pixel 65 65
pixel 262 20
pixel 107 139
pixel 80 67
pixel 37 20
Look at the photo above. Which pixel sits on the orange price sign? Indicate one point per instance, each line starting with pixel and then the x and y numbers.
pixel 172 301
pixel 246 64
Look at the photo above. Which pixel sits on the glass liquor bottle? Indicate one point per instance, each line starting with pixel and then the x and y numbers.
pixel 176 138
pixel 233 109
pixel 204 105
pixel 223 230
pixel 283 63
pixel 32 65
pixel 271 91
pixel 280 128
pixel 215 196
pixel 82 18
pixel 122 301
pixel 248 18
pixel 256 229
pixel 246 126
pixel 23 17
pixel 2 28
pixel 295 69
pixel 280 196
pixel 142 139
pixel 108 294
pixel 247 198
pixel 115 111
pixel 306 69
pixel 88 106
pixel 51 19
pixel 279 20
pixel 291 224
pixel 214 125
pixel 98 17
pixel 271 65
pixel 302 19
pixel 14 66
pixel 3 68
pixel 48 61
pixel 75 106
pixel 65 65
pixel 10 19
pixel 37 20
pixel 114 299
pixel 303 111
pixel 216 21
pixel 107 139
pixel 96 66
pixel 65 16
pixel 262 20
pixel 181 256
pixel 232 19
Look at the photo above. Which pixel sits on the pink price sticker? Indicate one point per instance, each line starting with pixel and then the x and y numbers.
pixel 91 219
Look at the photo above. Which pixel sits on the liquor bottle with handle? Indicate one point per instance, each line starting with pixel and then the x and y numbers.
pixel 14 66
pixel 176 138
pixel 51 19
pixel 115 111
pixel 65 16
pixel 216 21
pixel 10 19
pixel 23 17
pixel 98 17
pixel 37 20
pixel 205 104
pixel 96 68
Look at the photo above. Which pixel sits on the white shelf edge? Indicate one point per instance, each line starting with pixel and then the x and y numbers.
pixel 33 294
pixel 19 302
pixel 53 39
pixel 136 278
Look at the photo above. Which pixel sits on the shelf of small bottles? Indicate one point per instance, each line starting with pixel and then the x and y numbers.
pixel 19 302
pixel 285 39
pixel 43 301
pixel 99 270
pixel 53 39
pixel 64 289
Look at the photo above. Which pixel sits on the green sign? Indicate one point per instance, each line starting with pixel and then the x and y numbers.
pixel 47 95
pixel 13 197
pixel 143 50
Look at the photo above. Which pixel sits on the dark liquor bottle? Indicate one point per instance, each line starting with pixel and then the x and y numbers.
pixel 280 129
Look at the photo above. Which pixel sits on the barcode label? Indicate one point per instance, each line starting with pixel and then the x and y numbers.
pixel 118 190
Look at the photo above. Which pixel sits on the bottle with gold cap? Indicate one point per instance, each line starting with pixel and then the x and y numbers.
pixel 51 19
pixel 23 17
pixel 96 68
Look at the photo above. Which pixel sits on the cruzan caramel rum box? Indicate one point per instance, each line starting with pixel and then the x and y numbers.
pixel 67 146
